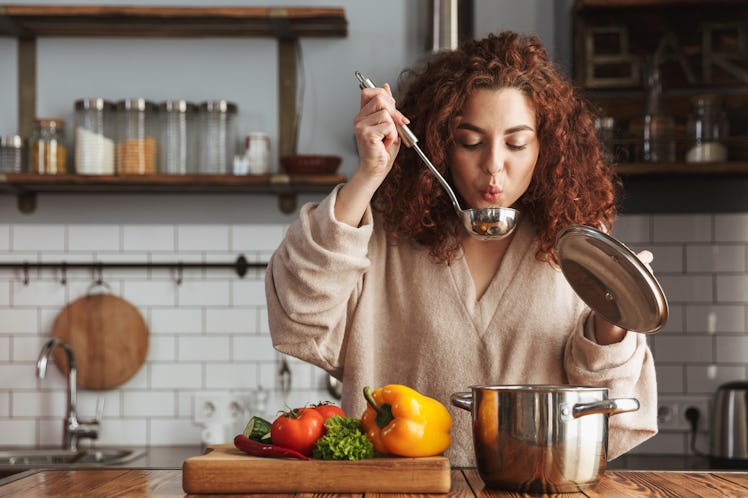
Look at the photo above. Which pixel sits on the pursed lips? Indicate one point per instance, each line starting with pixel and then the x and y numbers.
pixel 491 193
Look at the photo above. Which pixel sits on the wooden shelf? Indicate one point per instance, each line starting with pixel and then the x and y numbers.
pixel 683 169
pixel 92 20
pixel 286 187
pixel 285 24
pixel 609 4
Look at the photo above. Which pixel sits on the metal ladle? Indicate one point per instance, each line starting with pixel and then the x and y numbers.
pixel 485 224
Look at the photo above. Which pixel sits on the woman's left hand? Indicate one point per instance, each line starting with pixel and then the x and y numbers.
pixel 608 333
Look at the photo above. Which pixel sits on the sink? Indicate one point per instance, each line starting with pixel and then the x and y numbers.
pixel 57 457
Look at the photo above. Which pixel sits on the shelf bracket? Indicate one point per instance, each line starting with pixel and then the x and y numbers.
pixel 26 85
pixel 287 203
pixel 287 84
pixel 26 202
pixel 281 185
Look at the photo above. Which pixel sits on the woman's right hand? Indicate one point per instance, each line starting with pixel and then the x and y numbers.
pixel 378 143
pixel 375 127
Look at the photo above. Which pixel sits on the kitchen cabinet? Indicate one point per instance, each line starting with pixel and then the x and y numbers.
pixel 699 46
pixel 286 24
pixel 465 483
pixel 702 48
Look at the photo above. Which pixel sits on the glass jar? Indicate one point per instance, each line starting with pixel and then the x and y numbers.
pixel 257 153
pixel 12 154
pixel 136 137
pixel 658 138
pixel 708 129
pixel 48 154
pixel 178 151
pixel 217 137
pixel 94 137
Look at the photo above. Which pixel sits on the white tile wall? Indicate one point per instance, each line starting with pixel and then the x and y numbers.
pixel 209 334
pixel 700 261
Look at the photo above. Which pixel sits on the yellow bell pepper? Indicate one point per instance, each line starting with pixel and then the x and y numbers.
pixel 400 421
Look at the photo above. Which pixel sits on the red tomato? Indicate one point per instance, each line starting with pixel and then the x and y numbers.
pixel 298 429
pixel 328 410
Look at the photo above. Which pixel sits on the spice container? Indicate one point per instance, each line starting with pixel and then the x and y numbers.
pixel 178 151
pixel 136 137
pixel 707 130
pixel 48 154
pixel 217 136
pixel 12 154
pixel 257 153
pixel 94 137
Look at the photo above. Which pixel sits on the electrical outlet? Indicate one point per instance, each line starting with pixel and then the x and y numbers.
pixel 239 406
pixel 704 407
pixel 671 412
pixel 211 408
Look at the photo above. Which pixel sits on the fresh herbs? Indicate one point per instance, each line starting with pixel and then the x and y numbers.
pixel 343 440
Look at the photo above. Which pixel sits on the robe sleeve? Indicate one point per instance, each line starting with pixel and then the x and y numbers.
pixel 312 282
pixel 627 370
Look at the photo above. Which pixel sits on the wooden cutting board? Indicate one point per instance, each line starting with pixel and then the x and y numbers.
pixel 224 469
pixel 109 338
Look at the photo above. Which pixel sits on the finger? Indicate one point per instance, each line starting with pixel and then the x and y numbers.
pixel 398 116
pixel 645 256
pixel 379 96
pixel 375 128
pixel 365 120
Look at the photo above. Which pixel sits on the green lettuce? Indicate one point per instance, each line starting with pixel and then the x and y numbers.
pixel 343 440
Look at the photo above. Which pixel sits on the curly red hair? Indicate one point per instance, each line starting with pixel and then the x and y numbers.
pixel 571 184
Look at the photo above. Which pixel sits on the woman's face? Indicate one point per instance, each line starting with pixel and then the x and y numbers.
pixel 496 148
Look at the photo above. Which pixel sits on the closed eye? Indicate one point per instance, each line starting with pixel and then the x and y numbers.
pixel 471 146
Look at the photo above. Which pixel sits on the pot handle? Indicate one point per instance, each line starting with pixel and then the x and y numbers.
pixel 606 406
pixel 462 400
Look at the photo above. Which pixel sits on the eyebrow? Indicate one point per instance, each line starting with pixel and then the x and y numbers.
pixel 508 131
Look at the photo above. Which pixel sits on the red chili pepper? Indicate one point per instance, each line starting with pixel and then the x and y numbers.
pixel 256 448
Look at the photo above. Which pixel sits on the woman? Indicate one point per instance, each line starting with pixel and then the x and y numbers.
pixel 380 282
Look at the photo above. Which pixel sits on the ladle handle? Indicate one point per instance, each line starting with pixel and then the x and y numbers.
pixel 407 136
pixel 410 140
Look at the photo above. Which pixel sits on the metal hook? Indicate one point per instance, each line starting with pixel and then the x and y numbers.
pixel 25 273
pixel 284 377
pixel 63 273
pixel 99 274
pixel 99 280
pixel 180 273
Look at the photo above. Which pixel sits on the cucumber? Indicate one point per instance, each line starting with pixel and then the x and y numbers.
pixel 258 429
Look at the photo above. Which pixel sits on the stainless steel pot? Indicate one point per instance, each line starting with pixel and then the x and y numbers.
pixel 541 438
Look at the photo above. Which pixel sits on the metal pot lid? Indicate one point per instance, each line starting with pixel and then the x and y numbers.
pixel 611 279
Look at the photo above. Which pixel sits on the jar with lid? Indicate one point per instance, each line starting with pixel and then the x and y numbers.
pixel 178 150
pixel 94 137
pixel 137 132
pixel 12 154
pixel 708 129
pixel 48 154
pixel 217 137
pixel 257 153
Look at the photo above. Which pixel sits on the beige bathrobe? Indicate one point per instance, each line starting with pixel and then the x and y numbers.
pixel 373 313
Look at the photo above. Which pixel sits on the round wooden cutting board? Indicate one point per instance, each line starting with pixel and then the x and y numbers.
pixel 109 338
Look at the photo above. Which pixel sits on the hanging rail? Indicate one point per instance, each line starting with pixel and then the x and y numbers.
pixel 240 266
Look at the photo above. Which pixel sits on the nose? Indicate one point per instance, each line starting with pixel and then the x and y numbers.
pixel 493 162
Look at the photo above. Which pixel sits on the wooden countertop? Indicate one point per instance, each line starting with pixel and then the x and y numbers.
pixel 465 483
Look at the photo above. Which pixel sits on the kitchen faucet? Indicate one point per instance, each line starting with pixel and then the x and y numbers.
pixel 73 429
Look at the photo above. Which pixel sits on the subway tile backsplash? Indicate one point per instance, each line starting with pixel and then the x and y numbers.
pixel 209 332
